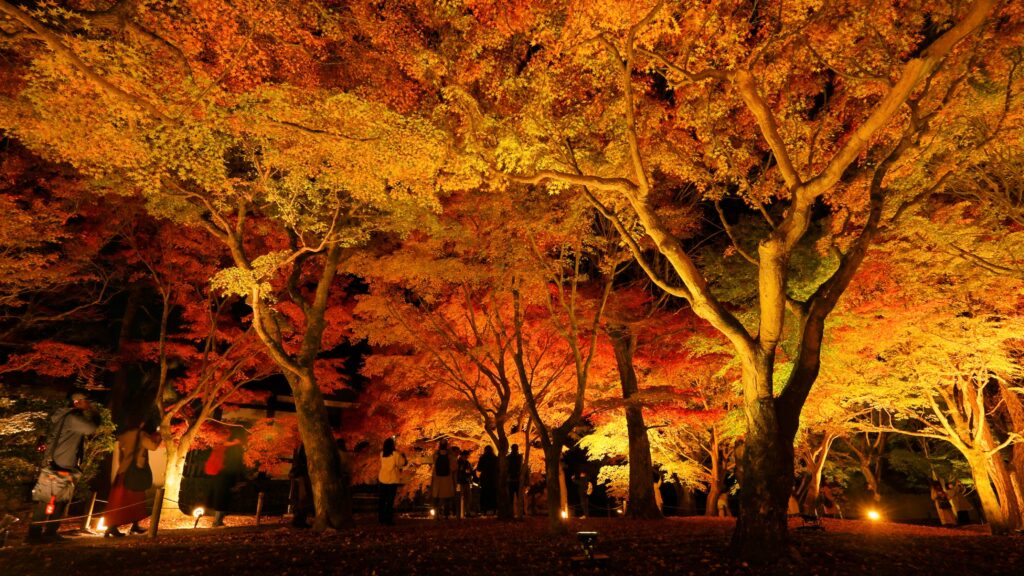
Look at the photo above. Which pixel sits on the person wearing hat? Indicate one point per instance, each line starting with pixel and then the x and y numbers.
pixel 68 428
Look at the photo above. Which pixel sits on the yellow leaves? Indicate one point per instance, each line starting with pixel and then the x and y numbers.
pixel 242 282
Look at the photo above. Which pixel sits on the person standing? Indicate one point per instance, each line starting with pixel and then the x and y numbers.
pixel 487 472
pixel 464 476
pixel 226 466
pixel 301 487
pixel 389 478
pixel 958 498
pixel 582 481
pixel 942 504
pixel 515 468
pixel 132 477
pixel 722 505
pixel 62 457
pixel 442 481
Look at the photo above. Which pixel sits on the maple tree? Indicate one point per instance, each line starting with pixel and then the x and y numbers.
pixel 205 355
pixel 788 110
pixel 210 112
pixel 283 147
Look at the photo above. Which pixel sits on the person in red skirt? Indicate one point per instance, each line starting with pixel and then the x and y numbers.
pixel 127 501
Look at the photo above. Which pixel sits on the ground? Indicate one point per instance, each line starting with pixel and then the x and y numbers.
pixel 693 545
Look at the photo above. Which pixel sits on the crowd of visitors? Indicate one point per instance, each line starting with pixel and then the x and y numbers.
pixel 457 488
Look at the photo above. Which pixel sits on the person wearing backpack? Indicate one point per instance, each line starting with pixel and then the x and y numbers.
pixel 60 466
pixel 442 481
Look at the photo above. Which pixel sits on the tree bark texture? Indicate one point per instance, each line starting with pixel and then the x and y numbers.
pixel 553 485
pixel 330 495
pixel 642 503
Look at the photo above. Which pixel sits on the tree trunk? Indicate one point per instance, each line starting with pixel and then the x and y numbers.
pixel 554 481
pixel 982 473
pixel 765 475
pixel 717 485
pixel 504 501
pixel 524 473
pixel 642 503
pixel 176 455
pixel 872 481
pixel 1003 485
pixel 815 468
pixel 1015 411
pixel 330 495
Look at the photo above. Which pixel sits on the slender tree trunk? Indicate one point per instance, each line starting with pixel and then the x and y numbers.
pixel 176 455
pixel 717 485
pixel 872 481
pixel 524 472
pixel 815 468
pixel 642 503
pixel 504 501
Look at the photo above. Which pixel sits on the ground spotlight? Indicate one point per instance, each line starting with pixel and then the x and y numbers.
pixel 588 541
pixel 874 515
pixel 197 514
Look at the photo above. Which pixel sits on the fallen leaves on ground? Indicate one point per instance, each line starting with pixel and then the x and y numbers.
pixel 694 545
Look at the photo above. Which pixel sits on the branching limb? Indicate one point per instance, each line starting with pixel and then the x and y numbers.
pixel 732 236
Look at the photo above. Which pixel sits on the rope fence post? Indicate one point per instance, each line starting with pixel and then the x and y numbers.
pixel 259 508
pixel 88 517
pixel 158 505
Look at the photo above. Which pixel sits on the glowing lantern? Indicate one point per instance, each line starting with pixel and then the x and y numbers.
pixel 51 505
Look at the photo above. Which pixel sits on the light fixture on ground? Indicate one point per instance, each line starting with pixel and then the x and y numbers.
pixel 874 515
pixel 197 514
pixel 588 541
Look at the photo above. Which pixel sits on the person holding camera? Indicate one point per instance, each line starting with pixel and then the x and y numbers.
pixel 62 457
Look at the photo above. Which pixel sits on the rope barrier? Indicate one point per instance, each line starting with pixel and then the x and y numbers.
pixel 148 502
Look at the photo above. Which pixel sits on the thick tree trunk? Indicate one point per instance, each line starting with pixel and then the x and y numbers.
pixel 982 472
pixel 642 503
pixel 121 390
pixel 554 483
pixel 1003 485
pixel 766 476
pixel 330 495
pixel 1015 411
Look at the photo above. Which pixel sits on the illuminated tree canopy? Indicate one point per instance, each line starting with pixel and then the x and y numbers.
pixel 721 239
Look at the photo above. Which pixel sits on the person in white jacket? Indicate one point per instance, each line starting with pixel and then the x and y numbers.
pixel 390 478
